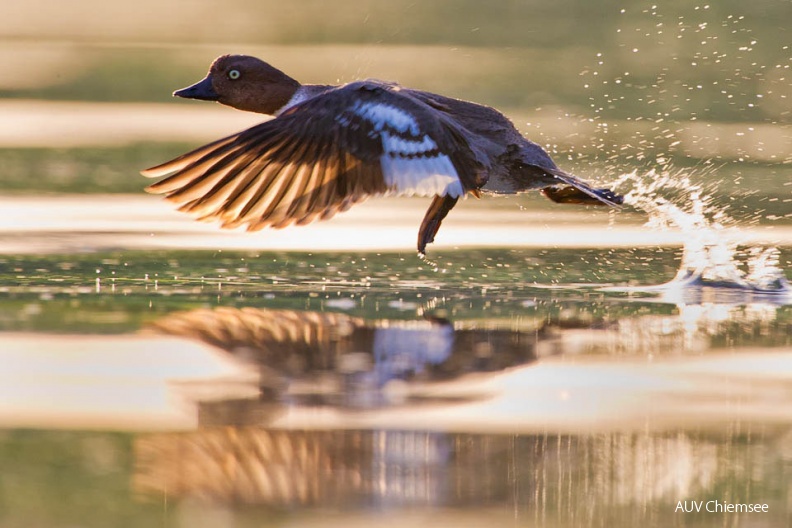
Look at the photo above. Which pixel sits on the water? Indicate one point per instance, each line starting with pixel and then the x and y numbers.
pixel 537 387
pixel 565 386
pixel 714 254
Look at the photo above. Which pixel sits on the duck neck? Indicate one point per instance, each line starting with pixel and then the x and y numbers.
pixel 303 93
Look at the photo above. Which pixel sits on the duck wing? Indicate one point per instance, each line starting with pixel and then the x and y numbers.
pixel 322 156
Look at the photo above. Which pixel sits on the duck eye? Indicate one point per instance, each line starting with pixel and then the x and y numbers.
pixel 234 75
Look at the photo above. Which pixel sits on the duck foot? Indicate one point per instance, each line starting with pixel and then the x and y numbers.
pixel 572 195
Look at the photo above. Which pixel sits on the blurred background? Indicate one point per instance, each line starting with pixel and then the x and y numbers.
pixel 606 87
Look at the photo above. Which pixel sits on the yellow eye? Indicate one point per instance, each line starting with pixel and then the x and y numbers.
pixel 234 75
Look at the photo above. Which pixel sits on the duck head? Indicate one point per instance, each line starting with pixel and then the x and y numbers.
pixel 245 83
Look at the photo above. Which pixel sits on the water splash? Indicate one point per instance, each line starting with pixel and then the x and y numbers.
pixel 715 254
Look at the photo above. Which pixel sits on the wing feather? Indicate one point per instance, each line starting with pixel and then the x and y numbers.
pixel 249 180
pixel 321 157
pixel 312 177
pixel 200 184
pixel 177 164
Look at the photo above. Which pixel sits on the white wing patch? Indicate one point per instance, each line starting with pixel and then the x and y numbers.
pixel 383 116
pixel 411 162
pixel 424 176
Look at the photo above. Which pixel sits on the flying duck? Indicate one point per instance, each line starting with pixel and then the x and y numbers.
pixel 330 147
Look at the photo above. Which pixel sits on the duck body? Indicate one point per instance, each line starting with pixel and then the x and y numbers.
pixel 329 147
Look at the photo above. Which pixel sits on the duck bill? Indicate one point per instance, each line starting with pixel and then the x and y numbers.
pixel 202 90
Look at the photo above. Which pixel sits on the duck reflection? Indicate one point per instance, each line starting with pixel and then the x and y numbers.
pixel 550 479
pixel 316 358
pixel 607 476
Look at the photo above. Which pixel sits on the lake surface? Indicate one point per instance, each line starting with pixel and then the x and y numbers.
pixel 536 386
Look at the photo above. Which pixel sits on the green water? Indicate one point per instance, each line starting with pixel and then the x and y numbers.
pixel 553 480
pixel 116 292
pixel 524 303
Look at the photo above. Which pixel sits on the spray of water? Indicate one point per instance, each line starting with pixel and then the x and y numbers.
pixel 715 254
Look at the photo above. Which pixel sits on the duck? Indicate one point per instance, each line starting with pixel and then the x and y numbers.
pixel 329 147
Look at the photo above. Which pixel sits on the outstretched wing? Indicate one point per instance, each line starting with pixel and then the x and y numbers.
pixel 322 156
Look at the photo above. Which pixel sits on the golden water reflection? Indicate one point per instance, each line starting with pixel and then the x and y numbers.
pixel 531 422
pixel 589 413
pixel 568 480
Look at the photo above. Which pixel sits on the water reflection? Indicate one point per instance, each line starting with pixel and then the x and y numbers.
pixel 692 328
pixel 318 358
pixel 559 406
pixel 339 362
pixel 571 479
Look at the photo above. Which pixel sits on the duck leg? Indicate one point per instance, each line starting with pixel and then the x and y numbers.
pixel 437 211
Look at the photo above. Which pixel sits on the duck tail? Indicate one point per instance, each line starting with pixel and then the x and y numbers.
pixel 579 192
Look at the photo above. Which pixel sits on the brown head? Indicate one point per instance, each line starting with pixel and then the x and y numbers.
pixel 245 83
